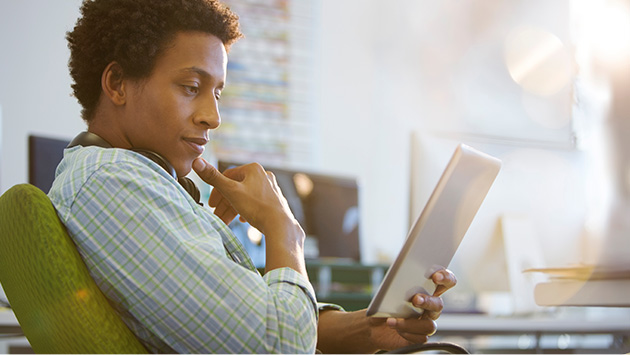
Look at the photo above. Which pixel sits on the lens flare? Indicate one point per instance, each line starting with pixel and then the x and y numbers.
pixel 537 60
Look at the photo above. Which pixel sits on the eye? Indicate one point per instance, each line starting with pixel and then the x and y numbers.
pixel 217 95
pixel 191 89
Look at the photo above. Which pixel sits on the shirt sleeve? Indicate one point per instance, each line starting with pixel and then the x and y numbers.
pixel 165 266
pixel 321 307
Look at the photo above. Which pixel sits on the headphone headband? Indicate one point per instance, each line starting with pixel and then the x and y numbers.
pixel 86 139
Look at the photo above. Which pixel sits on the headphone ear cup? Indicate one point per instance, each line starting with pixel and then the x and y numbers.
pixel 186 183
pixel 192 189
pixel 159 160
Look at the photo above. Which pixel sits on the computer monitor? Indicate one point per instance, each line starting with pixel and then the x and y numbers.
pixel 326 206
pixel 44 154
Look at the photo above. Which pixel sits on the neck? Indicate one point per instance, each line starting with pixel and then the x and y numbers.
pixel 107 127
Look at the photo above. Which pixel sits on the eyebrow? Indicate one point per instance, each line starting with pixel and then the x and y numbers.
pixel 201 72
pixel 196 70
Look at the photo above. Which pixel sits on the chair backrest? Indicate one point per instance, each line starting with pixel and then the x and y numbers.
pixel 57 303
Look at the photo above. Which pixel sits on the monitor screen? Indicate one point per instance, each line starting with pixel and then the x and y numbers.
pixel 44 154
pixel 327 208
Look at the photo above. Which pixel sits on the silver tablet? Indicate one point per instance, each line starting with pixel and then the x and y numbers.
pixel 437 232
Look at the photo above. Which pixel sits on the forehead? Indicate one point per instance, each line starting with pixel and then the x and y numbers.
pixel 199 50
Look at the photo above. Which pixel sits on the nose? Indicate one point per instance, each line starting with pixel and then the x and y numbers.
pixel 207 113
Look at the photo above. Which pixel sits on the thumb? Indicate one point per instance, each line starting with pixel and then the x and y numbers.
pixel 209 173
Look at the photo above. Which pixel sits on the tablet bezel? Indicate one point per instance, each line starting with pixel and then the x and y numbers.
pixel 448 214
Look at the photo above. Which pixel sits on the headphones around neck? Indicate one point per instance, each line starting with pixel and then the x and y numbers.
pixel 86 139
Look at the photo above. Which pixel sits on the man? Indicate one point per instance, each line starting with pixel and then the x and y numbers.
pixel 149 75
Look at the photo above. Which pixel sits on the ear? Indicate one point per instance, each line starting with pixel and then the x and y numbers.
pixel 113 85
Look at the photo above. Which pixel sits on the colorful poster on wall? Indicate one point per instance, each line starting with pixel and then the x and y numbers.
pixel 265 108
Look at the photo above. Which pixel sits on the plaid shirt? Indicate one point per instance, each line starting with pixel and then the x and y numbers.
pixel 177 275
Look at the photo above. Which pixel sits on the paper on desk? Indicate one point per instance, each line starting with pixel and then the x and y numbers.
pixel 585 272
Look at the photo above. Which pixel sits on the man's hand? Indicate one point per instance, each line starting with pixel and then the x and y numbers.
pixel 353 332
pixel 247 190
pixel 418 330
pixel 253 193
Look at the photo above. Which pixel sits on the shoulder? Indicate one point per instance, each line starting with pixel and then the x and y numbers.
pixel 97 171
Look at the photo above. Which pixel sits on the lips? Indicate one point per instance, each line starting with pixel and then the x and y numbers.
pixel 197 144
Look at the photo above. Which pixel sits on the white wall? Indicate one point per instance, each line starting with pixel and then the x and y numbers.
pixel 34 80
pixel 437 69
pixel 362 133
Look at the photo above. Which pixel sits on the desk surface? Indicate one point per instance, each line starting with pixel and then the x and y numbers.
pixel 603 292
pixel 470 325
pixel 9 325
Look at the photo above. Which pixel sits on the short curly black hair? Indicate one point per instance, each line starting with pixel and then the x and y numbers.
pixel 133 33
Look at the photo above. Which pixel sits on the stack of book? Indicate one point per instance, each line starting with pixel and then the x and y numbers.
pixel 584 285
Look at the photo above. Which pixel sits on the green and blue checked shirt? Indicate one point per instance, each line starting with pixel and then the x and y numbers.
pixel 177 275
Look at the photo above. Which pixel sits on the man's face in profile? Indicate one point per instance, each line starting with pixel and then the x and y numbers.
pixel 172 111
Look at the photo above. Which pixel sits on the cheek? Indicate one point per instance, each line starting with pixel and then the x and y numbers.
pixel 164 120
pixel 159 104
pixel 172 113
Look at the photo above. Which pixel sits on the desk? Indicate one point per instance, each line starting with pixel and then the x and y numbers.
pixel 613 292
pixel 11 338
pixel 9 326
pixel 534 329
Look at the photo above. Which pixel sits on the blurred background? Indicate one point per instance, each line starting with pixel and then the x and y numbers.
pixel 373 96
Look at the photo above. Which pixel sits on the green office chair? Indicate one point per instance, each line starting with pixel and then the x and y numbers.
pixel 56 302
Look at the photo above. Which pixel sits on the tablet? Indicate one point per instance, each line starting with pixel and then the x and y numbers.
pixel 436 233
